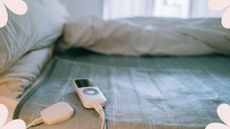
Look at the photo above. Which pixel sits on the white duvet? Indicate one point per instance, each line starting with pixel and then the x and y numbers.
pixel 152 36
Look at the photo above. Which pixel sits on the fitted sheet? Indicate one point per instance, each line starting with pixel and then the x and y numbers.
pixel 143 92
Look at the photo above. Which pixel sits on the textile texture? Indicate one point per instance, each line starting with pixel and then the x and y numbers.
pixel 142 92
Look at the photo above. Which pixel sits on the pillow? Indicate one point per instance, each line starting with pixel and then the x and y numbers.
pixel 34 30
pixel 23 73
pixel 55 6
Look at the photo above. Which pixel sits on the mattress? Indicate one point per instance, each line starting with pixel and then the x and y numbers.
pixel 143 92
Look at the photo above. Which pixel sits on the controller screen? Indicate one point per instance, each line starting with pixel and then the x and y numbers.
pixel 84 83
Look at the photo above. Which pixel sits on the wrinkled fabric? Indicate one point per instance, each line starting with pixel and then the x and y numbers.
pixel 38 28
pixel 151 36
pixel 23 73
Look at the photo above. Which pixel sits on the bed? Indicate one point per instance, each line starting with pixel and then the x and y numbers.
pixel 146 92
pixel 161 73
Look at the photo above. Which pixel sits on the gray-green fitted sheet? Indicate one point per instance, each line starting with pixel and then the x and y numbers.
pixel 142 92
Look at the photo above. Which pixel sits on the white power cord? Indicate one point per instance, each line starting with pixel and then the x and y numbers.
pixel 99 109
pixel 35 122
pixel 52 116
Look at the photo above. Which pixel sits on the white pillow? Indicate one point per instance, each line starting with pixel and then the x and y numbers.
pixel 55 6
pixel 36 29
pixel 23 73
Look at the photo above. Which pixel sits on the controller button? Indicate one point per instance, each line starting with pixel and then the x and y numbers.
pixel 90 91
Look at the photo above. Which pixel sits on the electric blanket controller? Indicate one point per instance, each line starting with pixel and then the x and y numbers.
pixel 89 93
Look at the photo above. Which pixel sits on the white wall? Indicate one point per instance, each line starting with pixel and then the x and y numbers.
pixel 79 8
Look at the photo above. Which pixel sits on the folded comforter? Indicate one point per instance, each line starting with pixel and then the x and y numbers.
pixel 152 36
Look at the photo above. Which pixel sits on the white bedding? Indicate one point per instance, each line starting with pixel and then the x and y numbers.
pixel 152 36
pixel 38 28
pixel 25 47
pixel 23 73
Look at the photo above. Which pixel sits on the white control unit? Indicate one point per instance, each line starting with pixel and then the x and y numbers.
pixel 89 94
